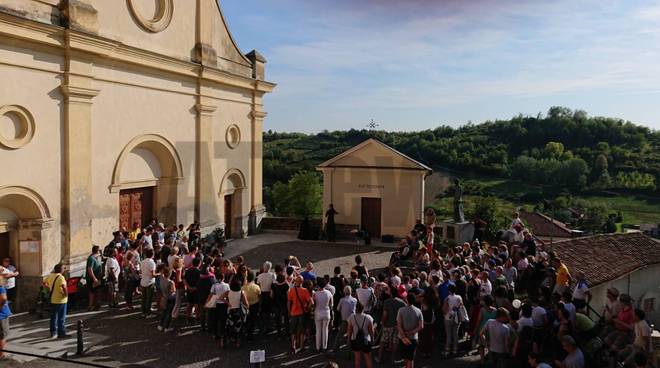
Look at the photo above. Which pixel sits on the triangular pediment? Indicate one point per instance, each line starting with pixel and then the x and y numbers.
pixel 190 30
pixel 374 154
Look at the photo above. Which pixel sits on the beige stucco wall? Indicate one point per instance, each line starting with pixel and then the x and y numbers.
pixel 94 68
pixel 636 284
pixel 401 193
pixel 38 164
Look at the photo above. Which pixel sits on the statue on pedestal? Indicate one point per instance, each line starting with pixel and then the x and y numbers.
pixel 459 216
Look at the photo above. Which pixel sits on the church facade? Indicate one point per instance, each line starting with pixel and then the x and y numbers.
pixel 116 112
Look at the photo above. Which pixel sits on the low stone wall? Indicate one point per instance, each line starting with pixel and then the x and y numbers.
pixel 285 223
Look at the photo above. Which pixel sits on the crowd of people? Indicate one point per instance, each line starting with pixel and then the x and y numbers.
pixel 512 303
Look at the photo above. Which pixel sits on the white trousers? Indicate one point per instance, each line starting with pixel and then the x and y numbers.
pixel 321 333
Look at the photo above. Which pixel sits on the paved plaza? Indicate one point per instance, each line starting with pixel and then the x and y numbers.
pixel 120 338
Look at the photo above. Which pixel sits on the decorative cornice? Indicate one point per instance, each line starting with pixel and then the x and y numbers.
pixel 43 34
pixel 79 94
pixel 204 109
pixel 258 115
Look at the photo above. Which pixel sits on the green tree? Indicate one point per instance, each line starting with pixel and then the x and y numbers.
pixel 603 179
pixel 301 196
pixel 596 215
pixel 554 149
pixel 489 210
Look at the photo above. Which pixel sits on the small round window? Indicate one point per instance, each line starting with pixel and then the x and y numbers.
pixel 16 126
pixel 233 136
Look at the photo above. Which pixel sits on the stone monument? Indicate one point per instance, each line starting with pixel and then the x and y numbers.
pixel 457 229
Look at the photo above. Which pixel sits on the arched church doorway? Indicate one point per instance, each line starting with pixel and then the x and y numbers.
pixel 146 177
pixel 233 191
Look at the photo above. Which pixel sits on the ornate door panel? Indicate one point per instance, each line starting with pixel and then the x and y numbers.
pixel 135 205
pixel 125 210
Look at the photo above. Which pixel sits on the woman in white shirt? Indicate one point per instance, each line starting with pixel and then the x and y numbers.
pixel 450 308
pixel 322 315
pixel 219 289
pixel 366 295
pixel 237 304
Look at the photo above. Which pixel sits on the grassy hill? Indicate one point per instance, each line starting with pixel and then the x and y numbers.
pixel 522 161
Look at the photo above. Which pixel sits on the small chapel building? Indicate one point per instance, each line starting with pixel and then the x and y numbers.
pixel 113 113
pixel 376 188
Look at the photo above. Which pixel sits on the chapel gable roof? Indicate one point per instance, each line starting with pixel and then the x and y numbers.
pixel 374 154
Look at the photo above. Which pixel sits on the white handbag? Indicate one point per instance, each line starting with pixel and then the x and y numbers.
pixel 213 300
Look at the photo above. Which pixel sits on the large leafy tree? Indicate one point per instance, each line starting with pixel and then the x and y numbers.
pixel 301 196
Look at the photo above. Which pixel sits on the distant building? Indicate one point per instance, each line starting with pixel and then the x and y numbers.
pixel 629 262
pixel 545 227
pixel 650 229
pixel 375 187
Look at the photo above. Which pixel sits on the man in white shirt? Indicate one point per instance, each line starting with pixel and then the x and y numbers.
pixel 265 280
pixel 581 295
pixel 496 333
pixel 147 280
pixel 9 272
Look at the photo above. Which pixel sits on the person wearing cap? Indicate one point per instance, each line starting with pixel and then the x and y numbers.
pixel 5 312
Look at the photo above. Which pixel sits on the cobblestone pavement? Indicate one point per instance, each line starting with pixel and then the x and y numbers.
pixel 121 338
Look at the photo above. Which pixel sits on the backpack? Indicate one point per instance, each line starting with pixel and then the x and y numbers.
pixel 361 339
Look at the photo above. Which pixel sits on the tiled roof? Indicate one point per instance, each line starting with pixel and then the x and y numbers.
pixel 544 226
pixel 608 257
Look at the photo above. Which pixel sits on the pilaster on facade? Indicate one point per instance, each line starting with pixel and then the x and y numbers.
pixel 257 209
pixel 79 92
pixel 206 207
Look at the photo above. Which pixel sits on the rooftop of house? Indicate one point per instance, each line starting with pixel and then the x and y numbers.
pixel 544 226
pixel 608 257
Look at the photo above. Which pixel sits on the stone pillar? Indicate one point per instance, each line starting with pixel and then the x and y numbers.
pixel 77 89
pixel 206 196
pixel 257 209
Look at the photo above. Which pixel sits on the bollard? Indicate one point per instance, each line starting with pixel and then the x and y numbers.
pixel 79 337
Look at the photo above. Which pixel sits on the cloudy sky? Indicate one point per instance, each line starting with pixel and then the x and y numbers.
pixel 417 64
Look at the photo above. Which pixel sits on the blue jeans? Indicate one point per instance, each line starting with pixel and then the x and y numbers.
pixel 57 319
pixel 166 317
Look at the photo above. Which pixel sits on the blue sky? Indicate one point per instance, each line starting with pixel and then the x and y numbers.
pixel 417 64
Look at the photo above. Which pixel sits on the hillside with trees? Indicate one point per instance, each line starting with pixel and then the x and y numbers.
pixel 564 153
